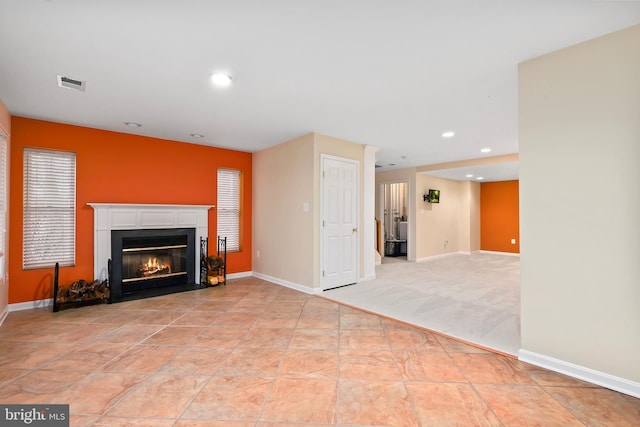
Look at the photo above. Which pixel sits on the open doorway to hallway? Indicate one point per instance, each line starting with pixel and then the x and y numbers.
pixel 395 221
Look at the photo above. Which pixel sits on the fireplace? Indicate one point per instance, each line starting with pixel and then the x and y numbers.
pixel 152 262
pixel 146 218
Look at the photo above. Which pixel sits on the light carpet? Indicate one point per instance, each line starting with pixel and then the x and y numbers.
pixel 475 297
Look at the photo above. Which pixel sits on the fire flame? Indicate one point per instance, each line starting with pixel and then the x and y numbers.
pixel 154 266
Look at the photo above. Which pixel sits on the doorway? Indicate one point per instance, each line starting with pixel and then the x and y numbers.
pixel 340 238
pixel 395 220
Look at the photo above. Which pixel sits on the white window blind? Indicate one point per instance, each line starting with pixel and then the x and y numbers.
pixel 49 229
pixel 3 203
pixel 229 207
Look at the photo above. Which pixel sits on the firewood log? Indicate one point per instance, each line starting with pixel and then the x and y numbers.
pixel 214 262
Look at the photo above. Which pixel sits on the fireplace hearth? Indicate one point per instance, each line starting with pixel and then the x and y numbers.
pixel 150 262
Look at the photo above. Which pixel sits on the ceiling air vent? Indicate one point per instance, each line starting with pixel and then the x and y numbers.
pixel 69 83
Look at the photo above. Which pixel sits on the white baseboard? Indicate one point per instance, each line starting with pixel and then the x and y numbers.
pixel 239 275
pixel 286 283
pixel 432 257
pixel 29 305
pixel 612 382
pixel 500 253
pixel 367 278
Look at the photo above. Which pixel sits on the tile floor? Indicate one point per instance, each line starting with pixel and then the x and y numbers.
pixel 257 354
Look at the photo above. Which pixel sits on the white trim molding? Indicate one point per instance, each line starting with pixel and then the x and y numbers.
pixel 287 284
pixel 367 278
pixel 603 379
pixel 369 207
pixel 500 253
pixel 125 216
pixel 30 305
pixel 240 275
pixel 432 257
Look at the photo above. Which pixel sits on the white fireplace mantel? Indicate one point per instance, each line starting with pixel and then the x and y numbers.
pixel 124 216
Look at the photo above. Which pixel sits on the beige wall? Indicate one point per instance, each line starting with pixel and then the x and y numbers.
pixel 5 128
pixel 579 176
pixel 399 175
pixel 455 219
pixel 491 160
pixel 285 177
pixel 5 119
pixel 453 225
pixel 349 150
pixel 283 180
pixel 473 189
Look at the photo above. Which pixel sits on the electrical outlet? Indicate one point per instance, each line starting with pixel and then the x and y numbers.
pixel 513 241
pixel 258 254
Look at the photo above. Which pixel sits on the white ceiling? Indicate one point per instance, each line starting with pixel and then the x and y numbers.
pixel 393 74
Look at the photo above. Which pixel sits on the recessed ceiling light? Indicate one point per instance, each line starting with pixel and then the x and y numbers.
pixel 469 175
pixel 485 150
pixel 133 124
pixel 448 134
pixel 221 79
pixel 196 135
pixel 479 178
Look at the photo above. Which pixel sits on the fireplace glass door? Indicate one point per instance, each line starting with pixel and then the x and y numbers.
pixel 148 260
pixel 153 258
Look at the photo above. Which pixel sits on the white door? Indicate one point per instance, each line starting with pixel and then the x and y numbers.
pixel 340 237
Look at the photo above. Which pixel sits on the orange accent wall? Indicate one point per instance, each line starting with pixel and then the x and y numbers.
pixel 114 167
pixel 500 216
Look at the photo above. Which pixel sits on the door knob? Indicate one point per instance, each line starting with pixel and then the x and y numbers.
pixel 355 229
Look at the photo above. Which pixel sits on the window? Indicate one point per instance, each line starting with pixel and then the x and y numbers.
pixel 229 207
pixel 3 204
pixel 49 228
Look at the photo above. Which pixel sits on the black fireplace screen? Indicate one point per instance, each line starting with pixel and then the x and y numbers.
pixel 147 260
